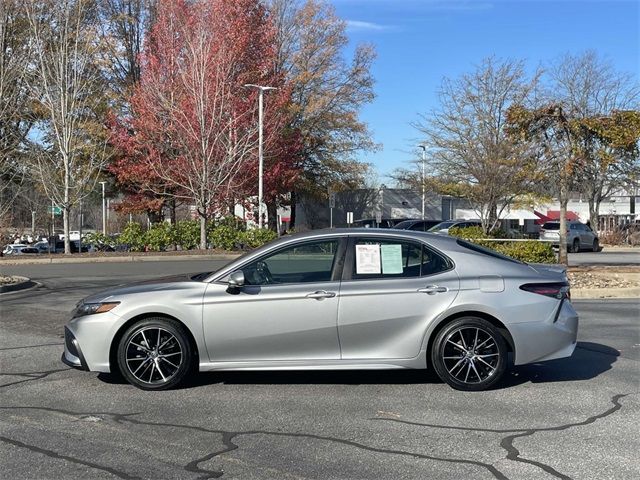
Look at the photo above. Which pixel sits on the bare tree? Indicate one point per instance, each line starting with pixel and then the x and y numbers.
pixel 16 119
pixel 591 90
pixel 328 91
pixel 69 153
pixel 472 155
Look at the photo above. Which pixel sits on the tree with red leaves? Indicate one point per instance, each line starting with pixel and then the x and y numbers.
pixel 192 133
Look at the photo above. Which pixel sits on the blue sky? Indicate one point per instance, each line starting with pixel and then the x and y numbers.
pixel 421 41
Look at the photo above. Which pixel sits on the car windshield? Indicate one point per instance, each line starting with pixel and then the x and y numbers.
pixel 441 226
pixel 551 226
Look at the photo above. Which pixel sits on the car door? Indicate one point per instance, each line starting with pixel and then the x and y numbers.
pixel 287 309
pixel 391 290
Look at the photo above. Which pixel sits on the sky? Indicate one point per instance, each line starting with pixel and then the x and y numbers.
pixel 419 42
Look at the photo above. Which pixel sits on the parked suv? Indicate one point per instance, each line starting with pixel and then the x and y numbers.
pixel 579 236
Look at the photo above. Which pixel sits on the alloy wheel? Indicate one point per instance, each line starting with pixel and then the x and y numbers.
pixel 470 354
pixel 153 355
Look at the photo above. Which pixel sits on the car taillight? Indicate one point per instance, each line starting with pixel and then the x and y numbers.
pixel 553 290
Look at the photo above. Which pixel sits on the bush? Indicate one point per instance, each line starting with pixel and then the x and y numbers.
pixel 469 233
pixel 97 238
pixel 158 237
pixel 186 233
pixel 133 236
pixel 224 237
pixel 530 252
pixel 256 238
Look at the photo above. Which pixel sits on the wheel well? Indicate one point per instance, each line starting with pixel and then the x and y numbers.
pixel 113 350
pixel 485 316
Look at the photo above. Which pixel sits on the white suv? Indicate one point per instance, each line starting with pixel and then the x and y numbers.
pixel 579 236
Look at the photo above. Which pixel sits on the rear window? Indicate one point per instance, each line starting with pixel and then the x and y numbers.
pixel 486 251
pixel 551 226
pixel 441 226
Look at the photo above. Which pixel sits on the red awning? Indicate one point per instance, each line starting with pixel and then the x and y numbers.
pixel 555 215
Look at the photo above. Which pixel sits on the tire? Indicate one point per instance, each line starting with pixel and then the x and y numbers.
pixel 596 245
pixel 575 247
pixel 148 367
pixel 466 368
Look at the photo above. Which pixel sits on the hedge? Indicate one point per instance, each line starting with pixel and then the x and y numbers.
pixel 531 251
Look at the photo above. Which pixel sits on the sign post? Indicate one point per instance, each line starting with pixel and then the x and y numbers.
pixel 349 218
pixel 332 205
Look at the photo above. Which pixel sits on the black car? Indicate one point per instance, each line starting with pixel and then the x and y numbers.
pixel 417 225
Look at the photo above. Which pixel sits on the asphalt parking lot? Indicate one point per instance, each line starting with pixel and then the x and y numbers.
pixel 573 418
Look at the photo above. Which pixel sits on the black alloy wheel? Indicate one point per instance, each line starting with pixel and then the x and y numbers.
pixel 155 354
pixel 469 354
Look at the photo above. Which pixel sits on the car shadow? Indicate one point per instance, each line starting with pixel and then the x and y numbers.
pixel 588 361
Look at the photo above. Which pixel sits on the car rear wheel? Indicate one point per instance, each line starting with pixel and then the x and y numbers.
pixel 596 245
pixel 575 248
pixel 155 354
pixel 469 354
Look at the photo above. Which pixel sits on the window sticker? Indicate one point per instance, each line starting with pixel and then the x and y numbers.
pixel 391 259
pixel 367 259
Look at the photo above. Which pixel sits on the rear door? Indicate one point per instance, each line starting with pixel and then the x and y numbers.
pixel 391 290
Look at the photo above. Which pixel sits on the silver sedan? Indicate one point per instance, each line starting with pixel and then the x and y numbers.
pixel 333 299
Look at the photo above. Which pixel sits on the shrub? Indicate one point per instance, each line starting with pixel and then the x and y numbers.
pixel 256 238
pixel 97 238
pixel 133 236
pixel 224 237
pixel 469 233
pixel 531 252
pixel 159 236
pixel 186 233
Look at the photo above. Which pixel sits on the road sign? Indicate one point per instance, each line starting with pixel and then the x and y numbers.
pixel 55 210
pixel 332 199
pixel 378 217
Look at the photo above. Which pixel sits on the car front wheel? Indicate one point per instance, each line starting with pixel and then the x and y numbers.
pixel 596 245
pixel 469 354
pixel 155 354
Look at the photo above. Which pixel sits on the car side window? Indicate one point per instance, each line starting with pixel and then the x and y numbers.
pixel 308 262
pixel 383 259
pixel 419 226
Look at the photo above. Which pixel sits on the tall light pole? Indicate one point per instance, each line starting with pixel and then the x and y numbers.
pixel 261 90
pixel 424 153
pixel 104 211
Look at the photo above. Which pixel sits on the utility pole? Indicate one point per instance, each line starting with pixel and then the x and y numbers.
pixel 424 153
pixel 104 211
pixel 261 90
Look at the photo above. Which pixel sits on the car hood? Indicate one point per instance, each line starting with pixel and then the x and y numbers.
pixel 171 283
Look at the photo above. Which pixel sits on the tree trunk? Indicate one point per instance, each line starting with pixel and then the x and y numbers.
pixel 203 232
pixel 65 225
pixel 292 217
pixel 272 214
pixel 594 213
pixel 562 243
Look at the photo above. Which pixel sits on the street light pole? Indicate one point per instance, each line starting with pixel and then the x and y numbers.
pixel 261 90
pixel 424 152
pixel 104 211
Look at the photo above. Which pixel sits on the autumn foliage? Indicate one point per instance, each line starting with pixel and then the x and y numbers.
pixel 191 134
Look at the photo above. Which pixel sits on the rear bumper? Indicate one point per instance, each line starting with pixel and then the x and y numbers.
pixel 547 340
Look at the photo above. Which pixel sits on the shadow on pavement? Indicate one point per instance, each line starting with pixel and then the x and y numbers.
pixel 588 361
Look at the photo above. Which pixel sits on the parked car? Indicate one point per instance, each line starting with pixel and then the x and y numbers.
pixel 443 227
pixel 372 223
pixel 406 300
pixel 13 249
pixel 417 225
pixel 579 236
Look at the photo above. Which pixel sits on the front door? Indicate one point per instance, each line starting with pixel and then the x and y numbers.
pixel 287 309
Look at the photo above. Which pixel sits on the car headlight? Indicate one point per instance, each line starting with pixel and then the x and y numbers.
pixel 83 309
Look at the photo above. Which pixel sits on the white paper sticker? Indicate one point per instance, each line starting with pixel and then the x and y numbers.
pixel 367 259
pixel 391 259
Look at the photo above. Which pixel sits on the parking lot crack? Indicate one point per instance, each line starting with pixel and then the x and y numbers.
pixel 53 454
pixel 30 376
pixel 31 346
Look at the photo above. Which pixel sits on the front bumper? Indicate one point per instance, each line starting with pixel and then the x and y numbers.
pixel 72 355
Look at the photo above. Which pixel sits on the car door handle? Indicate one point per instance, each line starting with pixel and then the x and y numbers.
pixel 431 289
pixel 320 294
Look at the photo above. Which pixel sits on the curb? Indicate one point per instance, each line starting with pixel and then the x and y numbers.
pixel 24 284
pixel 117 259
pixel 599 293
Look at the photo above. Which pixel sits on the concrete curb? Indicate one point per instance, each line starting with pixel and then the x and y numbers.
pixel 23 284
pixel 116 259
pixel 594 293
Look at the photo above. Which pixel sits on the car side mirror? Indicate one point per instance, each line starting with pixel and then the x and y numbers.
pixel 236 280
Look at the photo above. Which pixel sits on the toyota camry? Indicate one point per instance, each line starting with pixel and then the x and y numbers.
pixel 332 300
